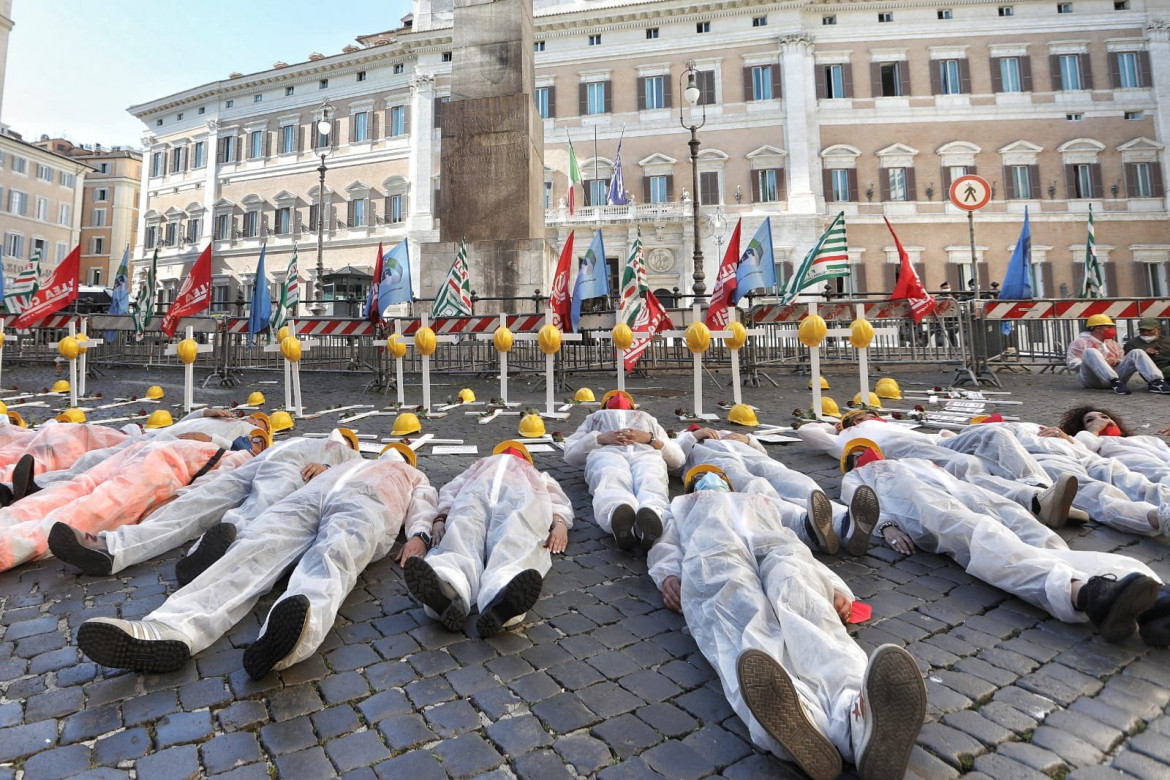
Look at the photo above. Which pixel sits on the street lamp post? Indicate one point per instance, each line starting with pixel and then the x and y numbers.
pixel 718 226
pixel 324 127
pixel 692 94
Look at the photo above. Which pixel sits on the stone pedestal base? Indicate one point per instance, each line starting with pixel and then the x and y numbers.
pixel 498 269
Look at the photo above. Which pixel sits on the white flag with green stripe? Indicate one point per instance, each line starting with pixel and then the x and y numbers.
pixel 290 295
pixel 828 259
pixel 454 297
pixel 633 284
pixel 143 307
pixel 1094 284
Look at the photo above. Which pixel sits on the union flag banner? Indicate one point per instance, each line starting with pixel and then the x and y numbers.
pixel 194 296
pixel 58 292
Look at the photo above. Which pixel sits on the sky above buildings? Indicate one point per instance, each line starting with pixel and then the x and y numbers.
pixel 74 66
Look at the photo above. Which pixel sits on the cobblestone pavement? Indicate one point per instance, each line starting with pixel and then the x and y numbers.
pixel 601 680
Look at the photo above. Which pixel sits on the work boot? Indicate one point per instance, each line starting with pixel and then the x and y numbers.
pixel 1113 605
pixel 85 551
pixel 211 547
pixel 1077 516
pixel 1160 387
pixel 22 478
pixel 857 527
pixel 510 604
pixel 648 525
pixel 888 714
pixel 622 523
pixel 6 497
pixel 768 691
pixel 431 590
pixel 1154 623
pixel 141 645
pixel 819 522
pixel 1052 505
pixel 1120 387
pixel 287 623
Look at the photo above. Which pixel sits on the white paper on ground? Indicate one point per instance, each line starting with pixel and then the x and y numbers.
pixel 455 449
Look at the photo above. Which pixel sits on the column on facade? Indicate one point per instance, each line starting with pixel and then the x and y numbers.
pixel 802 136
pixel 1158 31
pixel 421 169
pixel 210 178
pixel 148 140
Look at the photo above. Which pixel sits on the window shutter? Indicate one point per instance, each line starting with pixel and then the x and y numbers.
pixel 582 98
pixel 904 79
pixel 263 224
pixel 645 189
pixel 884 181
pixel 1009 185
pixel 857 276
pixel 406 119
pixel 847 79
pixel 438 120
pixel 240 146
pixel 935 77
pixel 957 282
pixel 1141 279
pixel 389 121
pixel 349 213
pixel 373 125
pixel 186 158
pixel 827 184
pixel 667 97
pixel 972 170
pixel 1054 71
pixel 920 269
pixel 755 176
pixel 911 189
pixel 386 209
pixel 1070 182
pixel 1046 279
pixel 946 181
pixel 875 79
pixel 1098 180
pixel 641 90
pixel 1114 70
pixel 1110 278
pixel 1034 181
pixel 777 92
pixel 608 90
pixel 709 95
pixel 352 128
pixel 1026 73
pixel 1145 75
pixel 984 275
pixel 781 185
pixel 1156 188
pixel 267 144
pixel 1078 270
pixel 853 186
pixel 670 187
pixel 300 138
pixel 822 77
pixel 219 149
pixel 748 95
pixel 996 75
pixel 889 276
pixel 965 76
pixel 1086 63
pixel 1130 183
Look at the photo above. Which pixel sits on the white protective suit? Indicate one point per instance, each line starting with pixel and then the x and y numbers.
pixel 1147 455
pixel 58 446
pixel 336 525
pixel 234 497
pixel 499 515
pixel 992 538
pixel 635 474
pixel 747 582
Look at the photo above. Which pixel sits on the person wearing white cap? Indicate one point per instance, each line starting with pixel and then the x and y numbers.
pixel 768 617
pixel 498 524
pixel 626 455
pixel 332 528
pixel 216 509
pixel 1099 361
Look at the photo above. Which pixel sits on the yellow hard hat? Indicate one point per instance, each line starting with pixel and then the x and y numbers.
pixel 549 340
pixel 873 400
pixel 858 444
pixel 887 387
pixel 502 339
pixel 531 426
pixel 861 333
pixel 698 337
pixel 255 398
pixel 406 423
pixel 425 341
pixel 350 438
pixel 512 444
pixel 3 408
pixel 154 392
pixel 622 335
pixel 829 406
pixel 824 383
pixel 260 433
pixel 14 418
pixel 82 345
pixel 69 348
pixel 1099 319
pixel 282 334
pixel 812 330
pixel 407 453
pixel 700 470
pixel 396 346
pixel 61 386
pixel 467 395
pixel 159 418
pixel 187 350
pixel 605 398
pixel 742 414
pixel 281 421
pixel 290 349
pixel 73 415
pixel 260 420
pixel 584 395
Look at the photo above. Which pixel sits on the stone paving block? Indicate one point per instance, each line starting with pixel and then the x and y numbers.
pixel 1152 744
pixel 1097 659
pixel 1138 765
pixel 626 735
pixel 405 731
pixel 204 693
pixel 471 652
pixel 467 755
pixel 1097 773
pixel 974 688
pixel 942 699
pixel 179 763
pixel 390 674
pixel 256 771
pixel 985 671
pixel 1008 717
pixel 676 760
pixel 349 657
pixel 111 689
pixel 541 765
pixel 289 736
pixel 498 702
pixel 90 723
pixel 226 752
pixel 182 727
pixel 124 746
pixel 51 704
pixel 708 705
pixel 718 745
pixel 584 753
pixel 519 735
pixel 452 718
pixel 1100 735
pixel 50 662
pixel 608 699
pixel 1029 703
pixel 20 741
pixel 537 686
pixel 1074 751
pixel 356 750
pixel 150 707
pixel 564 713
pixel 241 715
pixel 509 667
pixel 951 745
pixel 307 763
pixel 1034 756
pixel 293 702
pixel 343 687
pixel 335 721
pixel 976 725
pixel 614 665
pixel 1114 717
pixel 634 769
pixel 76 674
pixel 1141 697
pixel 417 765
pixel 1003 768
pixel 650 686
pixel 467 680
pixel 667 719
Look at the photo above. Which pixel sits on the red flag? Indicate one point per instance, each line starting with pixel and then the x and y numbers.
pixel 55 294
pixel 651 319
pixel 194 296
pixel 373 313
pixel 561 304
pixel 909 286
pixel 717 315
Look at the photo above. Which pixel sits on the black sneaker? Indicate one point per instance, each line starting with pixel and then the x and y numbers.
pixel 858 525
pixel 1120 387
pixel 819 522
pixel 141 645
pixel 287 623
pixel 210 549
pixel 430 590
pixel 1113 605
pixel 649 526
pixel 1154 623
pixel 85 551
pixel 6 496
pixel 623 522
pixel 517 597
pixel 1160 387
pixel 22 478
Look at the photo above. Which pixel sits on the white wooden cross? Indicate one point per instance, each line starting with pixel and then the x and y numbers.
pixel 503 361
pixel 620 354
pixel 83 368
pixel 736 389
pixel 3 339
pixel 697 316
pixel 549 364
pixel 292 372
pixel 188 369
pixel 424 322
pixel 862 356
pixel 73 388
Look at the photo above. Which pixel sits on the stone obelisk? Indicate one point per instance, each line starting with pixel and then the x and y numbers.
pixel 492 156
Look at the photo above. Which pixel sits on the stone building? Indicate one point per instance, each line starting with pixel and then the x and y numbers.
pixel 808 109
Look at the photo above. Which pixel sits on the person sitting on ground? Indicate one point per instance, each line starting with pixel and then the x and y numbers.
pixel 331 529
pixel 1150 340
pixel 1099 361
pixel 996 541
pixel 498 524
pixel 769 618
pixel 626 455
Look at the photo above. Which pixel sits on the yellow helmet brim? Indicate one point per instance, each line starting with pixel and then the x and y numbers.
pixel 512 444
pixel 700 470
pixel 408 455
pixel 855 445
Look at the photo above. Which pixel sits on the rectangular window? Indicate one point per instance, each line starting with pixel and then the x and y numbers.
pixel 62 250
pixel 177 159
pixel 156 164
pixel 223 227
pixel 398 68
pixel 595 40
pixel 14 245
pixel 1120 5
pixel 595 97
pixel 194 229
pixel 709 194
pixel 101 194
pixel 323 84
pixel 890 79
pixel 1134 114
pixel 1021 181
pixel 1064 8
pixel 538 46
pixel 945 13
pixel 767 185
pixel 361 75
pixel 705 80
pixel 357 211
pixel 98 218
pixel 65 214
pixel 652 89
pixel 759 21
pixel 1077 117
pixel 44 173
pixel 172 234
pixel 251 224
pixel 1070 71
pixel 219 298
pixel 540 95
pixel 288 91
pixel 396 211
pixel 257 98
pixel 288 139
pixel 596 191
pixel 397 121
pixel 446 56
pixel 95 277
pixel 835 82
pixel 658 189
pixel 202 110
pixel 42 212
pixel 1007 10
pixel 1009 74
pixel 17 203
pixel 651 33
pixel 283 221
pixel 702 27
pixel 1082 181
pixel 885 16
pixel 151 236
pixel 1140 180
pixel 255 144
pixel 829 19
pixel 230 104
pixel 950 82
pixel 19 165
pixel 897 180
pixel 839 180
pixel 103 167
pixel 200 155
pixel 1128 74
pixel 361 126
pixel 762 82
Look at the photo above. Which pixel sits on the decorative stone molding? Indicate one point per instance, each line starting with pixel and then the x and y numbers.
pixel 422 82
pixel 799 42
pixel 660 260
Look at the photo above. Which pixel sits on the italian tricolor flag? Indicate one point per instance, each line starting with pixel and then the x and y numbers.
pixel 574 176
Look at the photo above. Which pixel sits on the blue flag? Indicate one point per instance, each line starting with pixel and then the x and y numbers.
pixel 617 183
pixel 394 286
pixel 120 295
pixel 1017 282
pixel 261 312
pixel 757 265
pixel 592 277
